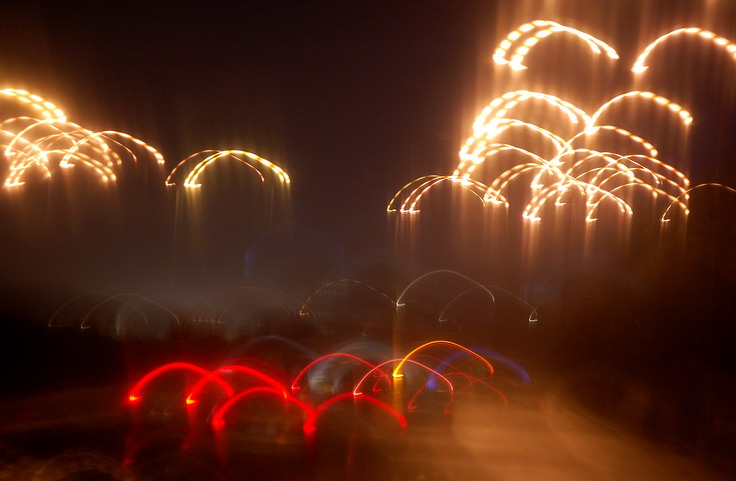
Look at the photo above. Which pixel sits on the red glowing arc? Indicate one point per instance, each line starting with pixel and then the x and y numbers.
pixel 218 419
pixel 214 376
pixel 134 396
pixel 295 384
pixel 310 426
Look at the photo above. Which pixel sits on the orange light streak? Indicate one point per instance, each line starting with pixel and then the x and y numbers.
pixel 249 159
pixel 683 114
pixel 529 34
pixel 426 183
pixel 651 151
pixel 666 212
pixel 46 109
pixel 640 63
pixel 397 369
pixel 357 390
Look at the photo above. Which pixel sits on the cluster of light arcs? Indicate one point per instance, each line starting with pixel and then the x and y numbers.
pixel 43 139
pixel 598 176
pixel 379 384
pixel 46 140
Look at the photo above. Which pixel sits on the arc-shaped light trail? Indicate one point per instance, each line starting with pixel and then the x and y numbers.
pixel 665 215
pixel 85 320
pixel 442 317
pixel 47 138
pixel 218 418
pixel 677 109
pixel 134 396
pixel 592 130
pixel 397 370
pixel 477 143
pixel 531 211
pixel 268 388
pixel 640 65
pixel 358 391
pixel 305 309
pixel 485 152
pixel 417 188
pixel 310 426
pixel 500 107
pixel 400 299
pixel 251 373
pixel 526 36
pixel 590 216
pixel 481 148
pixel 494 194
pixel 249 159
pixel 295 385
pixel 109 135
pixel 45 109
